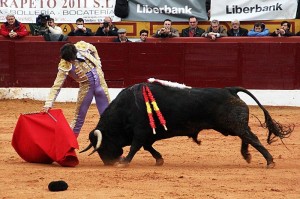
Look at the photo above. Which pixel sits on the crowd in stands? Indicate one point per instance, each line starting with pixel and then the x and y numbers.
pixel 12 28
pixel 215 30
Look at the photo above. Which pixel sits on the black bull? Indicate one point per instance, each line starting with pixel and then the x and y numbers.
pixel 187 111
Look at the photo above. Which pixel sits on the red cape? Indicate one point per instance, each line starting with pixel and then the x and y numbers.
pixel 45 138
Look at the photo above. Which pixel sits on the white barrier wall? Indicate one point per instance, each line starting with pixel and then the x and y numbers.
pixel 266 97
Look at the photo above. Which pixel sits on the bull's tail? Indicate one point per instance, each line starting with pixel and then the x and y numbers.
pixel 275 129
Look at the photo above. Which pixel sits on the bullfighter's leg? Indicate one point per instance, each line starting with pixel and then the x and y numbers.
pixel 251 138
pixel 84 100
pixel 101 93
pixel 245 152
pixel 86 92
pixel 155 154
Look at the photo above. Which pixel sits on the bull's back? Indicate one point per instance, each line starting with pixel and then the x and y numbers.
pixel 191 99
pixel 176 100
pixel 196 105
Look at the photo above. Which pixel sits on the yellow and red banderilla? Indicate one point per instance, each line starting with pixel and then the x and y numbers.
pixel 148 95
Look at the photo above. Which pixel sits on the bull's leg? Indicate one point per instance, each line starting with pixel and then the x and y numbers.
pixel 135 147
pixel 155 154
pixel 245 152
pixel 195 138
pixel 252 139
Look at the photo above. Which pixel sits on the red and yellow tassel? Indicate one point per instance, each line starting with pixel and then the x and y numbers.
pixel 148 95
pixel 149 111
pixel 156 109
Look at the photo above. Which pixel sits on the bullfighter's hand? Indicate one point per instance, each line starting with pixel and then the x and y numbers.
pixel 45 109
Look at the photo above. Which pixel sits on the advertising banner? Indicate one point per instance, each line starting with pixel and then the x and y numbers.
pixel 63 11
pixel 159 10
pixel 94 11
pixel 250 10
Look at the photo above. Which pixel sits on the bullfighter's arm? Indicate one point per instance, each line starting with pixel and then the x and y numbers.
pixel 95 54
pixel 63 70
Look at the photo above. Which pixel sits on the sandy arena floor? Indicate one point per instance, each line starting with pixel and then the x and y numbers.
pixel 215 169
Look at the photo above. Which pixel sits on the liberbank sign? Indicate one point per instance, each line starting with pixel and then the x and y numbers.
pixel 250 10
pixel 145 9
pixel 176 10
pixel 94 11
pixel 225 10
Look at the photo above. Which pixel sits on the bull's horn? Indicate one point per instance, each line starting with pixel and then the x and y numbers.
pixel 98 134
pixel 99 138
pixel 87 148
pixel 93 152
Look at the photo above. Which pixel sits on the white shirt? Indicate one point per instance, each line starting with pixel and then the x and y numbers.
pixel 55 30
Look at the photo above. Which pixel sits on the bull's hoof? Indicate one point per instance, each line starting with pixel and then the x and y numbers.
pixel 248 158
pixel 121 165
pixel 159 162
pixel 197 141
pixel 271 165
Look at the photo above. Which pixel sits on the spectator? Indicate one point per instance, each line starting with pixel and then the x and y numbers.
pixel 54 32
pixel 81 62
pixel 53 28
pixel 143 36
pixel 215 31
pixel 208 15
pixel 236 30
pixel 283 31
pixel 41 25
pixel 167 30
pixel 107 28
pixel 207 5
pixel 12 28
pixel 46 27
pixel 80 29
pixel 259 30
pixel 121 36
pixel 193 30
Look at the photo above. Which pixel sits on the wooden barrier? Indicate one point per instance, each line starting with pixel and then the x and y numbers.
pixel 254 63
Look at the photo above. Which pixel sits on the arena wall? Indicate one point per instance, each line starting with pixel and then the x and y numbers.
pixel 260 64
